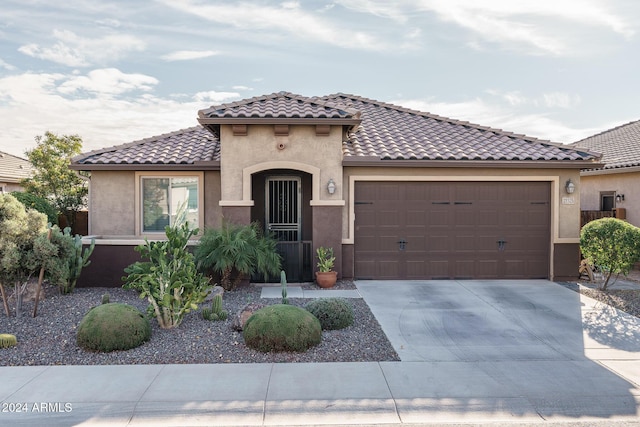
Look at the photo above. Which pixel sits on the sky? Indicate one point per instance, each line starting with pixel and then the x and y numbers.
pixel 116 71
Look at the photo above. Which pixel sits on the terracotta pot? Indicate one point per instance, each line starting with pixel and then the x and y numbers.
pixel 326 280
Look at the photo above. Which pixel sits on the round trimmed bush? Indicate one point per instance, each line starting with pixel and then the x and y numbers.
pixel 282 327
pixel 113 326
pixel 333 313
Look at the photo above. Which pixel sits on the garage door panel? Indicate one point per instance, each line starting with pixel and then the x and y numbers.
pixel 452 229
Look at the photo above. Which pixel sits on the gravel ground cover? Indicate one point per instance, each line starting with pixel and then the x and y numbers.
pixel 627 300
pixel 50 338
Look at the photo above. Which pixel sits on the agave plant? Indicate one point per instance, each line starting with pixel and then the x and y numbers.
pixel 235 251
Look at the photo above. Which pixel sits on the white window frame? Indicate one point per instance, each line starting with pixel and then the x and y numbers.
pixel 164 175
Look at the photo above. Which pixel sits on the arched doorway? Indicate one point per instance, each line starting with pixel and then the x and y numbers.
pixel 282 207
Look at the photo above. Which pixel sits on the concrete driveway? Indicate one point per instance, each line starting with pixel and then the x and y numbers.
pixel 515 344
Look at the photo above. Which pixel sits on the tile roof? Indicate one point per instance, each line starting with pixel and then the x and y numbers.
pixel 379 130
pixel 14 169
pixel 396 133
pixel 186 146
pixel 620 146
pixel 281 105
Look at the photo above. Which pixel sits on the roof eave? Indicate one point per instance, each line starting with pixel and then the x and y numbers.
pixel 373 161
pixel 610 171
pixel 196 166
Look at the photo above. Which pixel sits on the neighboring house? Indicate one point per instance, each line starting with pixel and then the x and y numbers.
pixel 616 185
pixel 398 193
pixel 13 170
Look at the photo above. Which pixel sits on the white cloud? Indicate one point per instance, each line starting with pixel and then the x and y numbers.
pixel 544 25
pixel 186 55
pixel 537 27
pixel 242 88
pixel 287 20
pixel 99 117
pixel 561 100
pixel 75 51
pixel 6 65
pixel 215 97
pixel 109 81
pixel 556 99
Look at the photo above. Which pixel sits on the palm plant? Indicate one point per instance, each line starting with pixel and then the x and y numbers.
pixel 235 251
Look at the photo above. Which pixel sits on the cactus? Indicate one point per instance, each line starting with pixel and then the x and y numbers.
pixel 7 340
pixel 106 298
pixel 78 260
pixel 215 312
pixel 283 284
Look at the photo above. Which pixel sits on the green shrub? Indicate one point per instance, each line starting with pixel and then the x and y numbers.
pixel 282 327
pixel 610 244
pixel 40 204
pixel 169 280
pixel 113 326
pixel 67 257
pixel 236 251
pixel 7 340
pixel 333 313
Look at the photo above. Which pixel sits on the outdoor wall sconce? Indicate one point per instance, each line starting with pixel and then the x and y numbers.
pixel 331 186
pixel 569 187
pixel 619 198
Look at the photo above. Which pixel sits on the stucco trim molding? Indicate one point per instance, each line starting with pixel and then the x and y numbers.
pixel 327 203
pixel 236 203
pixel 284 164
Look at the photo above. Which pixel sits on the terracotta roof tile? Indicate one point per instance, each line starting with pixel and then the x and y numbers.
pixel 279 105
pixel 620 146
pixel 14 169
pixel 185 146
pixel 396 133
pixel 385 131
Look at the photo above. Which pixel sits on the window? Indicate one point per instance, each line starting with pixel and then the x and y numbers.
pixel 162 197
pixel 607 200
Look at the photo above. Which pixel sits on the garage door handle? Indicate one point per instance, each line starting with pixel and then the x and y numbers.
pixel 501 245
pixel 402 244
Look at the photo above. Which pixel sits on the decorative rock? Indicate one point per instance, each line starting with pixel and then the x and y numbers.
pixel 214 291
pixel 240 319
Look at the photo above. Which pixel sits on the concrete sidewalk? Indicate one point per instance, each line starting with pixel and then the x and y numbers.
pixel 525 353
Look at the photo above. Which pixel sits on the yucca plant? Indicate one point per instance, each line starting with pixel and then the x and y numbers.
pixel 234 251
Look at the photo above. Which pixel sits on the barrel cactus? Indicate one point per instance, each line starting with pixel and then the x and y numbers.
pixel 282 327
pixel 113 326
pixel 333 313
pixel 7 340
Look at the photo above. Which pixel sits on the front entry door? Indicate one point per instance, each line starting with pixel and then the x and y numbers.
pixel 283 219
pixel 283 208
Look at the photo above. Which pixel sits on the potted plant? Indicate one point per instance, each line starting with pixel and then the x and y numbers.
pixel 325 276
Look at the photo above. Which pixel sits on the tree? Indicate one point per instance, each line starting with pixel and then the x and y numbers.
pixel 19 258
pixel 612 245
pixel 53 179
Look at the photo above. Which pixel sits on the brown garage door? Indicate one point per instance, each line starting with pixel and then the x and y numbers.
pixel 452 230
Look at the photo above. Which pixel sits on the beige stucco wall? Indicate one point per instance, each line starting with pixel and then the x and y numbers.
pixel 112 203
pixel 620 183
pixel 212 191
pixel 261 149
pixel 565 208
